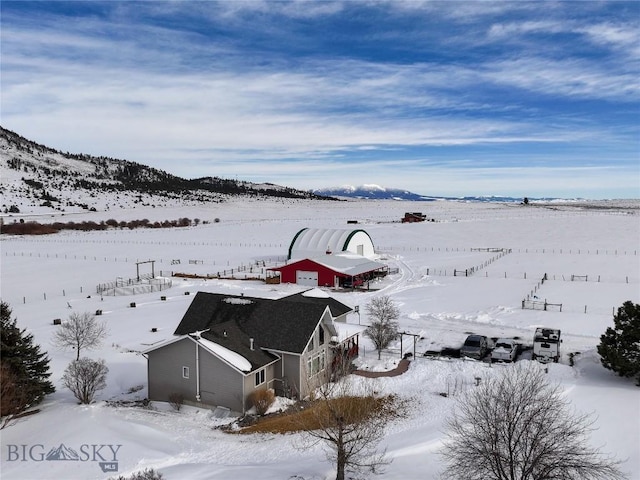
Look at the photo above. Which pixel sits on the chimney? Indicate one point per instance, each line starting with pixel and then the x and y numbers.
pixel 251 343
pixel 224 333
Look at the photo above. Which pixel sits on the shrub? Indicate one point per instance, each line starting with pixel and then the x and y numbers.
pixel 84 378
pixel 262 400
pixel 176 400
pixel 146 474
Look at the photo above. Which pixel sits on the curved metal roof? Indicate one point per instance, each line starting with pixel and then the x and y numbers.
pixel 311 242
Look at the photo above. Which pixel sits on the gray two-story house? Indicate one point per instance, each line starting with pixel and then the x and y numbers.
pixel 226 347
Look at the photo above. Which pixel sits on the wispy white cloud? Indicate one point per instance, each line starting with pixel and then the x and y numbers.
pixel 562 78
pixel 502 31
pixel 624 37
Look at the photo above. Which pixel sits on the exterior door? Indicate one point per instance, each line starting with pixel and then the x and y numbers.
pixel 309 279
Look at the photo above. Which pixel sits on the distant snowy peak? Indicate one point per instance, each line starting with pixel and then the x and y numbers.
pixel 370 192
pixel 377 192
pixel 373 187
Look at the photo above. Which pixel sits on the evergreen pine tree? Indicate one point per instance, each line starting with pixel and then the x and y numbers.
pixel 23 365
pixel 619 347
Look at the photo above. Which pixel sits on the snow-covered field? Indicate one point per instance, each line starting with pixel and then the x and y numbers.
pixel 49 277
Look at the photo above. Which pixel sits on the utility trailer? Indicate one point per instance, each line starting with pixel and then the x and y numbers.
pixel 546 345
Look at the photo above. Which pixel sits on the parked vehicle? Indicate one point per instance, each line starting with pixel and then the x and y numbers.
pixel 475 346
pixel 506 350
pixel 546 345
pixel 352 282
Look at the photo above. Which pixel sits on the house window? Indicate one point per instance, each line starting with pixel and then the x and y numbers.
pixel 321 335
pixel 260 377
pixel 185 372
pixel 316 364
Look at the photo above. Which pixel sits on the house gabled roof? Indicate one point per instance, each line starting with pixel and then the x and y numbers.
pixel 242 359
pixel 318 296
pixel 284 325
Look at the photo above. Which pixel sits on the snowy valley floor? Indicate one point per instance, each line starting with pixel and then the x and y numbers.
pixel 49 277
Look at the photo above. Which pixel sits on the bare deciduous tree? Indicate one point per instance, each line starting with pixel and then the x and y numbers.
pixel 80 331
pixel 351 424
pixel 517 426
pixel 84 377
pixel 383 315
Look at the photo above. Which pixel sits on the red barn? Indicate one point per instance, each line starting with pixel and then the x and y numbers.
pixel 344 270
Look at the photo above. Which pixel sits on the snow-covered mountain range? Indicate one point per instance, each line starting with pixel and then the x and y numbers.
pixel 371 192
pixel 377 192
pixel 40 179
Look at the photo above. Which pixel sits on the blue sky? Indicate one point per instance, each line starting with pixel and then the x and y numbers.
pixel 440 98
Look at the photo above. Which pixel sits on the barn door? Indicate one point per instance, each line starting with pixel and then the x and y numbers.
pixel 307 278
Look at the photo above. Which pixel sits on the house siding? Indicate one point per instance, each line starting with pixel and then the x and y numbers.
pixel 310 382
pixel 220 384
pixel 164 369
pixel 291 372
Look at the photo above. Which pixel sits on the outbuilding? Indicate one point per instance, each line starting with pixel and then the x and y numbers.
pixel 329 270
pixel 316 242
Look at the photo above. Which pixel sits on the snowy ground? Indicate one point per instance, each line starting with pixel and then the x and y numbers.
pixel 43 276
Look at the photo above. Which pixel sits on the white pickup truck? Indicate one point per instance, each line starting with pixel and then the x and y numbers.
pixel 506 350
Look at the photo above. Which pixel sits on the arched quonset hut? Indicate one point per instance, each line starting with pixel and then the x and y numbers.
pixel 314 242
